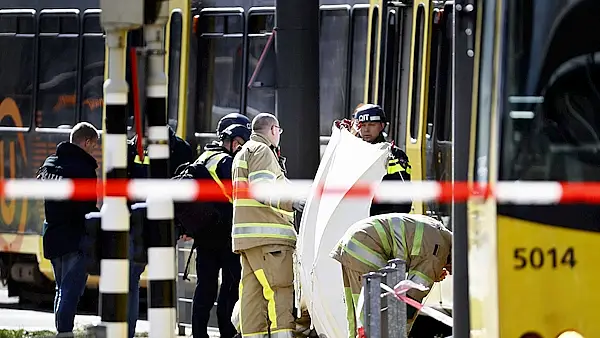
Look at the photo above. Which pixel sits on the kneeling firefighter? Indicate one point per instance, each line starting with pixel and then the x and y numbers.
pixel 421 241
pixel 212 239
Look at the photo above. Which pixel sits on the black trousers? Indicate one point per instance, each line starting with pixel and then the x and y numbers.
pixel 208 264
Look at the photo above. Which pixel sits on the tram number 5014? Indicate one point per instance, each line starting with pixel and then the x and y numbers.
pixel 537 258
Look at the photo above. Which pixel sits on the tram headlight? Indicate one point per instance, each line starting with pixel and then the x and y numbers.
pixel 570 334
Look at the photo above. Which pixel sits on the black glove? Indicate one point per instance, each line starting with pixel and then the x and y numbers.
pixel 299 205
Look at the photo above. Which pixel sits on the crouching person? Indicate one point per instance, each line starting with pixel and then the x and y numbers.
pixel 422 242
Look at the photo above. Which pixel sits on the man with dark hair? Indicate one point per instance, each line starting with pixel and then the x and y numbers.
pixel 64 227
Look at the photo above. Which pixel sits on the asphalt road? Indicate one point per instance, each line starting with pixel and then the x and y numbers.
pixel 15 316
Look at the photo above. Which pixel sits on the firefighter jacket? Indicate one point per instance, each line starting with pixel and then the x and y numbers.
pixel 257 223
pixel 218 162
pixel 398 170
pixel 421 241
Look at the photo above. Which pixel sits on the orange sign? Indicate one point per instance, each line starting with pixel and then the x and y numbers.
pixel 8 208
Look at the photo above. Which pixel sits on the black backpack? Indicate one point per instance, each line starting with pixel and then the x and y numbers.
pixel 196 216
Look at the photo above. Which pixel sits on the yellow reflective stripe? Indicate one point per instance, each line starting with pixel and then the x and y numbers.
pixel 387 246
pixel 240 179
pixel 364 254
pixel 419 277
pixel 240 293
pixel 138 161
pixel 212 165
pixel 240 164
pixel 399 237
pixel 408 169
pixel 243 202
pixel 416 248
pixel 396 168
pixel 269 230
pixel 261 175
pixel 350 314
pixel 269 295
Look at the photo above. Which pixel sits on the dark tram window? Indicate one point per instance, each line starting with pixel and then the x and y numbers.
pixel 444 100
pixel 17 48
pixel 416 75
pixel 261 64
pixel 220 44
pixel 175 30
pixel 57 64
pixel 92 73
pixel 390 70
pixel 360 21
pixel 335 27
pixel 373 56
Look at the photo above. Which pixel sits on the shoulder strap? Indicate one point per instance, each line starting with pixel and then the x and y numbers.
pixel 203 161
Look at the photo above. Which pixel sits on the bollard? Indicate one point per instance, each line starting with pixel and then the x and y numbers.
pixel 162 273
pixel 396 309
pixel 114 234
pixel 372 304
pixel 95 331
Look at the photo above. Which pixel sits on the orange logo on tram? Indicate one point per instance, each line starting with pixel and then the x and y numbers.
pixel 11 116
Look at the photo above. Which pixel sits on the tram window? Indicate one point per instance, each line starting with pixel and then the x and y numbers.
pixel 435 77
pixel 335 26
pixel 360 21
pixel 17 42
pixel 390 70
pixel 373 57
pixel 174 71
pixel 444 101
pixel 416 74
pixel 219 44
pixel 92 74
pixel 57 64
pixel 261 65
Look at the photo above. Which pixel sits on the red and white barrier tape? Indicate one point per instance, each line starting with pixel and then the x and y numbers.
pixel 538 192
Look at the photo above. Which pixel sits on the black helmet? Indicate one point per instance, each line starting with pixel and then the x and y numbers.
pixel 236 130
pixel 370 113
pixel 232 118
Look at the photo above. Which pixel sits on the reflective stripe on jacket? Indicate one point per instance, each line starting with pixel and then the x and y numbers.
pixel 257 223
pixel 212 164
pixel 421 241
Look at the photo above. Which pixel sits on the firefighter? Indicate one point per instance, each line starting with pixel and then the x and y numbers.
pixel 213 251
pixel 181 152
pixel 264 236
pixel 421 241
pixel 371 123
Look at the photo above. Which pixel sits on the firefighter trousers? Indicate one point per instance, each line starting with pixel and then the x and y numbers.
pixel 352 287
pixel 267 292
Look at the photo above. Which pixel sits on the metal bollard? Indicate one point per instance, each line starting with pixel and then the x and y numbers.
pixel 396 272
pixel 95 331
pixel 372 304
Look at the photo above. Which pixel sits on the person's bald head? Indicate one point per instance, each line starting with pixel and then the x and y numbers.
pixel 267 125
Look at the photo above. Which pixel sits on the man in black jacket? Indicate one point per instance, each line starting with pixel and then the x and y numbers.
pixel 214 251
pixel 64 227
pixel 181 152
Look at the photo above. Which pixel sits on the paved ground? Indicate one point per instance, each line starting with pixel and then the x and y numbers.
pixel 14 316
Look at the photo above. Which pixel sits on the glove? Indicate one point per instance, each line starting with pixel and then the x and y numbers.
pixel 299 205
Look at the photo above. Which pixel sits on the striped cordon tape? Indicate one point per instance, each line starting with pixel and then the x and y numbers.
pixel 512 192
